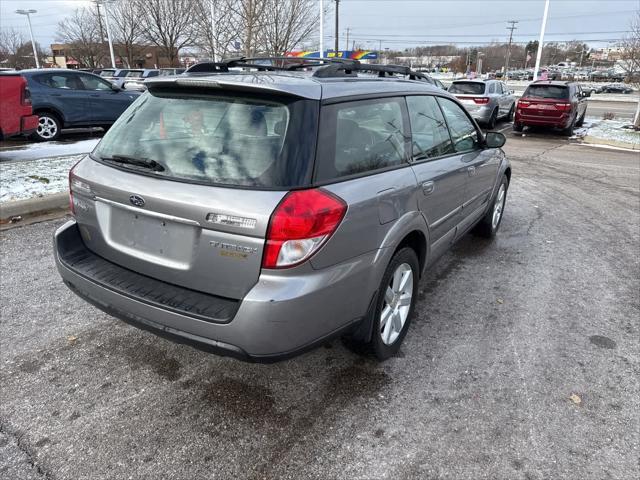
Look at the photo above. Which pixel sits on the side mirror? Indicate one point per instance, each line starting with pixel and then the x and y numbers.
pixel 586 94
pixel 494 139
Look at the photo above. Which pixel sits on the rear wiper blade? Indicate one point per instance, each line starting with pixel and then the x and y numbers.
pixel 138 162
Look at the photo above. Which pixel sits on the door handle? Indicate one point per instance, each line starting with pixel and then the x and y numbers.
pixel 427 187
pixel 471 170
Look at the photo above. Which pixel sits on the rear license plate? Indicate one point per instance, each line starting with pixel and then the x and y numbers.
pixel 545 107
pixel 150 235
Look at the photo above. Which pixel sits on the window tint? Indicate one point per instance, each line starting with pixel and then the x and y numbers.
pixel 107 73
pixel 499 88
pixel 361 136
pixel 94 83
pixel 217 139
pixel 428 128
pixel 63 81
pixel 463 132
pixel 491 88
pixel 547 91
pixel 471 88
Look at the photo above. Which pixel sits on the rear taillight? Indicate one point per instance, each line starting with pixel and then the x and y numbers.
pixel 302 222
pixel 26 95
pixel 563 107
pixel 76 185
pixel 523 103
pixel 481 100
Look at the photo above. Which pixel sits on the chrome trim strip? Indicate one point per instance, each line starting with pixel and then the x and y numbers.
pixel 469 202
pixel 141 211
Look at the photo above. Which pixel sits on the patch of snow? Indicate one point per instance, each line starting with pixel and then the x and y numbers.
pixel 37 178
pixel 614 130
pixel 37 150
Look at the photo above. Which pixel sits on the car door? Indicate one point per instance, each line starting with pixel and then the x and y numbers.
pixel 480 164
pixel 106 103
pixel 66 93
pixel 582 101
pixel 440 172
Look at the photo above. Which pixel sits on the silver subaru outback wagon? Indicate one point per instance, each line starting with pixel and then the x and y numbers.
pixel 259 212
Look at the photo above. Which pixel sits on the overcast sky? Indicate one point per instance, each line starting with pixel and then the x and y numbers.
pixel 406 23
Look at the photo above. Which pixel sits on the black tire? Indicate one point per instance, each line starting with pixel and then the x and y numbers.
pixel 486 227
pixel 491 124
pixel 517 127
pixel 376 346
pixel 49 127
pixel 509 116
pixel 569 130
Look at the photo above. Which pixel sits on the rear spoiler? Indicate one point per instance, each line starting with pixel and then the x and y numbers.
pixel 243 82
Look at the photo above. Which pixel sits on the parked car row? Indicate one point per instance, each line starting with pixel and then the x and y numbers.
pixel 133 78
pixel 486 100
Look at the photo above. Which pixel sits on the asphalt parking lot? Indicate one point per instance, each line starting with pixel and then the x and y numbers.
pixel 523 361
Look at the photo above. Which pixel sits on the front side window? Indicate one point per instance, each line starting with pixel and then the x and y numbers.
pixel 463 131
pixel 359 137
pixel 61 81
pixel 428 129
pixel 220 139
pixel 94 83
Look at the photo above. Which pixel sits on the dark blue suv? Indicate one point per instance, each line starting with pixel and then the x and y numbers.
pixel 67 98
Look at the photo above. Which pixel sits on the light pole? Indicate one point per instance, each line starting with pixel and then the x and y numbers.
pixel 214 32
pixel 542 29
pixel 104 3
pixel 321 29
pixel 33 43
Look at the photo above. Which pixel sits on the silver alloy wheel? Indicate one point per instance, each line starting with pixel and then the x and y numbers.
pixel 397 302
pixel 498 206
pixel 47 127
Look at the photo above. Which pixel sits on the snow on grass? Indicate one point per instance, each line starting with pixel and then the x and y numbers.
pixel 613 130
pixel 37 178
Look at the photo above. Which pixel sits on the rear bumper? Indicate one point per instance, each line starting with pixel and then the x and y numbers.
pixel 280 317
pixel 28 124
pixel 563 121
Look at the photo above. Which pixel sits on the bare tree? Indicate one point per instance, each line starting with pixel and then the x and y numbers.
pixel 215 35
pixel 169 25
pixel 630 60
pixel 250 18
pixel 127 28
pixel 81 34
pixel 11 40
pixel 287 24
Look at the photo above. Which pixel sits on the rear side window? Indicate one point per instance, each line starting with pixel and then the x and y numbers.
pixel 92 82
pixel 222 139
pixel 467 88
pixel 428 128
pixel 557 92
pixel 359 137
pixel 463 132
pixel 62 81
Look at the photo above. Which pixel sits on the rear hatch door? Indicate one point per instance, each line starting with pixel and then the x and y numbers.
pixel 182 187
pixel 545 101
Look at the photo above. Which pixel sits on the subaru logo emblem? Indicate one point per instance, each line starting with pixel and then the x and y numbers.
pixel 136 200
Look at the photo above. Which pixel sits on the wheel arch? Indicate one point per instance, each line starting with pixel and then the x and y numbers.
pixel 51 110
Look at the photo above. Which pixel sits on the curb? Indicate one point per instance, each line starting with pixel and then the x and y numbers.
pixel 613 143
pixel 33 207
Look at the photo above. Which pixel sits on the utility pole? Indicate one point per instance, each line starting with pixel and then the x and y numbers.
pixel 506 63
pixel 33 43
pixel 347 42
pixel 540 42
pixel 337 46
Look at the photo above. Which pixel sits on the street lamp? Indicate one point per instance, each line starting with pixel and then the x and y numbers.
pixel 33 43
pixel 106 22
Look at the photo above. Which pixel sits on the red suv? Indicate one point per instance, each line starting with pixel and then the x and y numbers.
pixel 15 107
pixel 552 104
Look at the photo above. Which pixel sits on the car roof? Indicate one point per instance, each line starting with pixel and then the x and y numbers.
pixel 31 71
pixel 301 84
pixel 559 83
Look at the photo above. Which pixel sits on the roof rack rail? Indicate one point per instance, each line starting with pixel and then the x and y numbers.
pixel 351 67
pixel 261 64
pixel 325 67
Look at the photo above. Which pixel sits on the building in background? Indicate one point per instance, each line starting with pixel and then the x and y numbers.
pixel 143 56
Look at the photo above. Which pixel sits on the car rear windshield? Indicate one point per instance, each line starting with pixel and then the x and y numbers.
pixel 558 92
pixel 219 139
pixel 470 88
